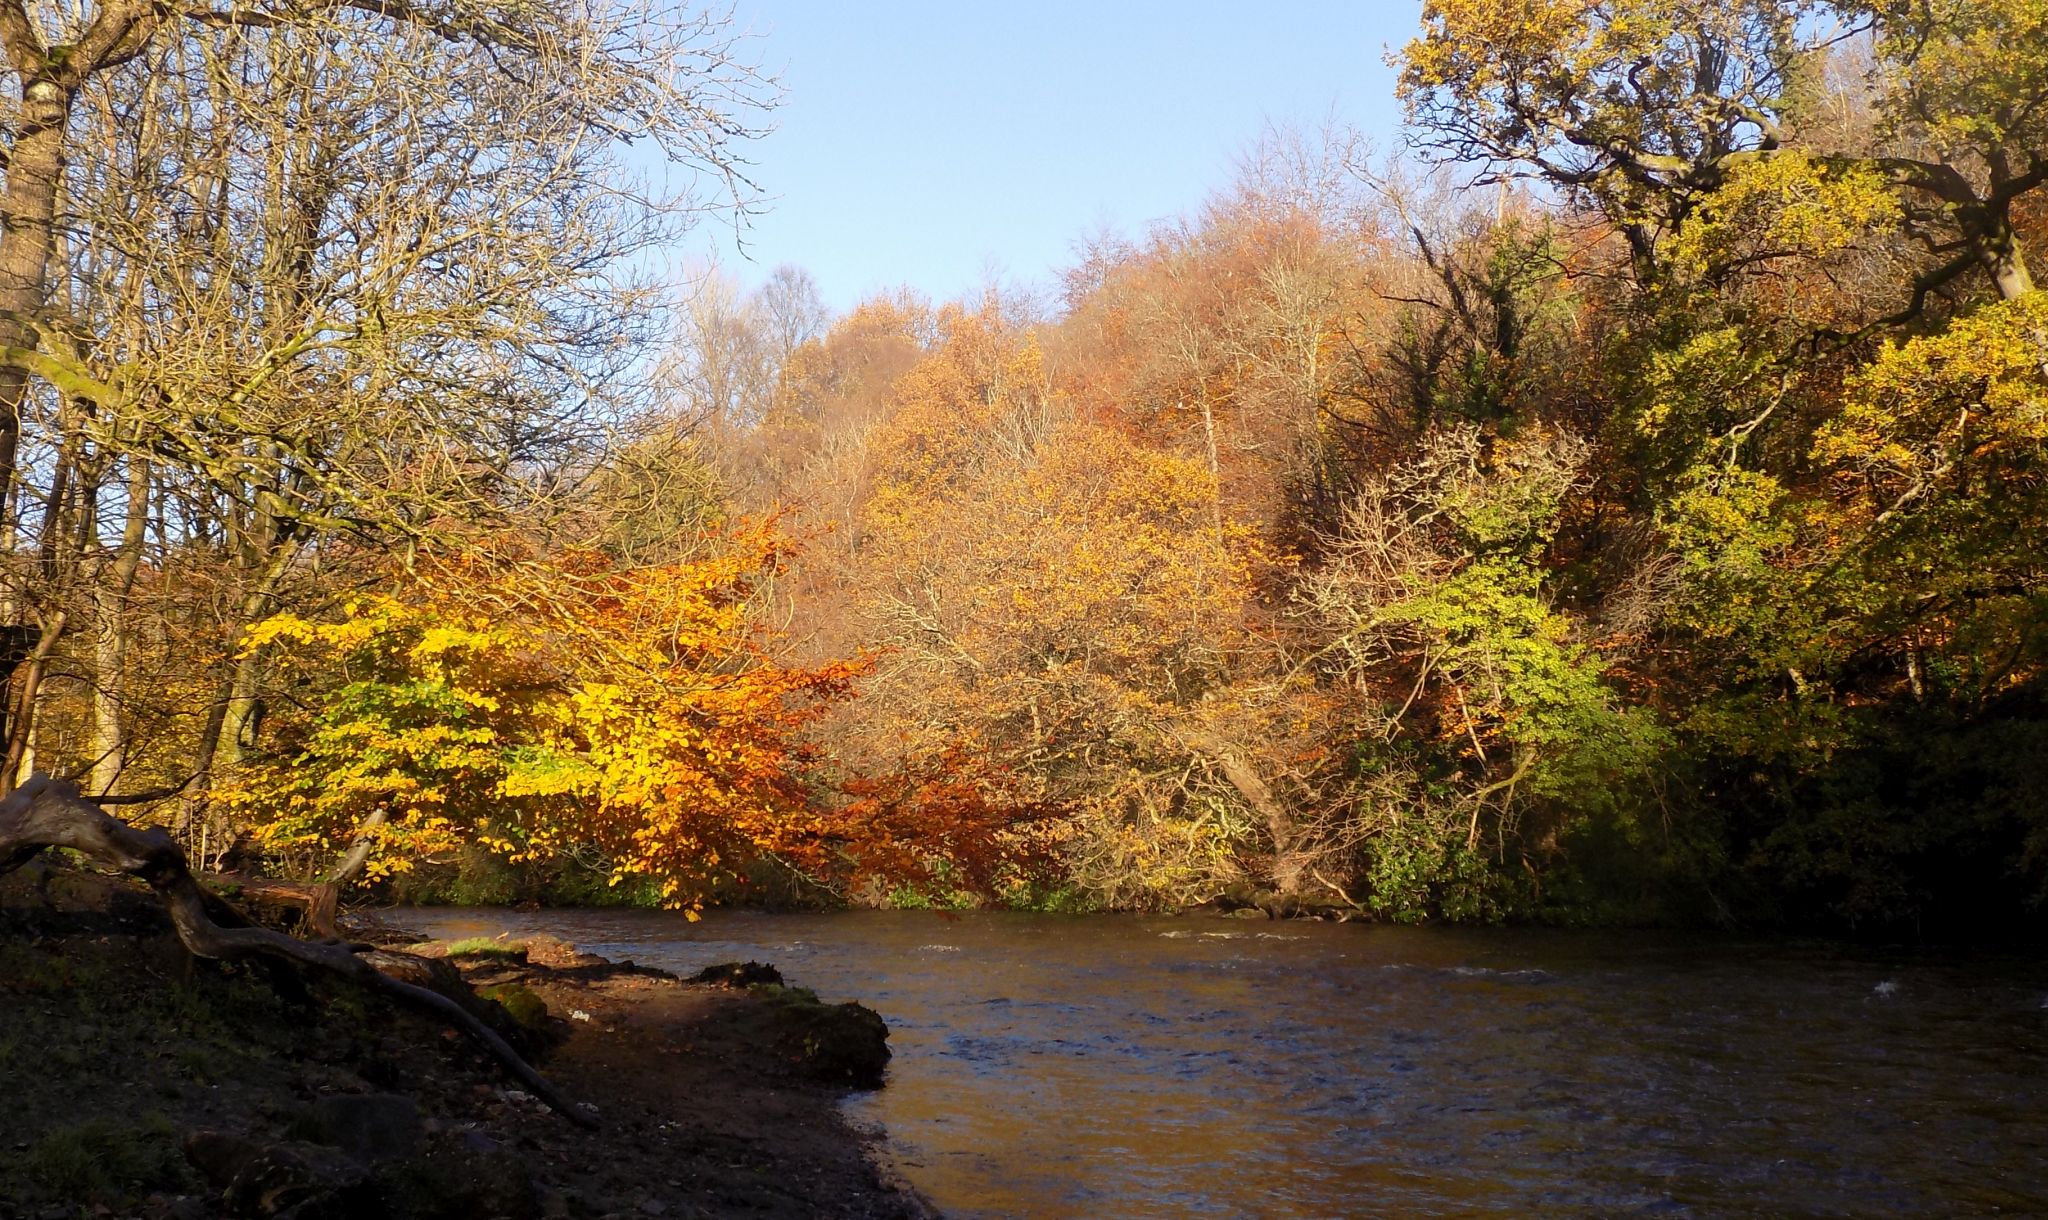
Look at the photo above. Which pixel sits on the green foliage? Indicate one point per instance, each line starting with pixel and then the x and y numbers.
pixel 1501 726
pixel 1422 871
pixel 1051 898
pixel 409 750
pixel 930 898
pixel 479 876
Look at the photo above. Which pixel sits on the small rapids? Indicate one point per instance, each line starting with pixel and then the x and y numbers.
pixel 1120 1066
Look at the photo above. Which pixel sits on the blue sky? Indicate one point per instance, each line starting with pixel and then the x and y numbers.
pixel 930 145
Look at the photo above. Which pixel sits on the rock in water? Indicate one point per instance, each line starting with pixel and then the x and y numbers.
pixel 833 1043
pixel 851 1045
pixel 737 974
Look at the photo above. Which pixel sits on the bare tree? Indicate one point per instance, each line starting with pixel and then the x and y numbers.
pixel 331 277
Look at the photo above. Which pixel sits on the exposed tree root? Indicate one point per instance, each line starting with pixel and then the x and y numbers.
pixel 45 813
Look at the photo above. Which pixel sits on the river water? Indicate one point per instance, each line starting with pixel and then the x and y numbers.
pixel 1114 1066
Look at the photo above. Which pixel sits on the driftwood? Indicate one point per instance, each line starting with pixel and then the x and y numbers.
pixel 45 813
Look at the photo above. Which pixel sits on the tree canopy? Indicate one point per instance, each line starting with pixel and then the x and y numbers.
pixel 1630 511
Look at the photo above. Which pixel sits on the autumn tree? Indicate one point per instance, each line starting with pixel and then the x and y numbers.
pixel 540 706
pixel 1647 109
pixel 1963 87
pixel 1065 603
pixel 1639 108
pixel 277 335
pixel 1240 335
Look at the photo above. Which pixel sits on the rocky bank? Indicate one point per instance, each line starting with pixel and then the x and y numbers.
pixel 137 1081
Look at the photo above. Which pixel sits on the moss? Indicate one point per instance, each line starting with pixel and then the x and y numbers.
pixel 801 997
pixel 484 946
pixel 524 1007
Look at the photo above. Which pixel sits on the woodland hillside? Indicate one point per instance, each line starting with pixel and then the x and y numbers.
pixel 1620 501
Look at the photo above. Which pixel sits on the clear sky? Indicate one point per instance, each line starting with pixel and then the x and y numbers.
pixel 930 145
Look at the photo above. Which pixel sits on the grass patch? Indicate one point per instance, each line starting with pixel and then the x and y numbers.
pixel 484 946
pixel 102 1161
pixel 34 971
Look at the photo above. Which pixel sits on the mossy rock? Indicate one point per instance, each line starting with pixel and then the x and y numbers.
pixel 738 974
pixel 833 1043
pixel 521 1004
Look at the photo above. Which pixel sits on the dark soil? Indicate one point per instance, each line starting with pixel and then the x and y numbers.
pixel 135 1080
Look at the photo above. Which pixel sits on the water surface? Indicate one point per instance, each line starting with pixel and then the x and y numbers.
pixel 1054 1066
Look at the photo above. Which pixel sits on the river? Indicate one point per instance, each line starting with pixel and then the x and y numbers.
pixel 1118 1066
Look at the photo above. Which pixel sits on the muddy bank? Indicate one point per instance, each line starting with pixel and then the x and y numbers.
pixel 136 1081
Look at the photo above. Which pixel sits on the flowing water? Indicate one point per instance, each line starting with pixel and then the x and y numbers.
pixel 1114 1066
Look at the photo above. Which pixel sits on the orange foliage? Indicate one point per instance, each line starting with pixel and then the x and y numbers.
pixel 952 818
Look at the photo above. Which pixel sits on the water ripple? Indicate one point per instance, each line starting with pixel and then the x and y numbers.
pixel 1153 1068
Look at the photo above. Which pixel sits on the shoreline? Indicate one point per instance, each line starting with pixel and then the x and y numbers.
pixel 144 1083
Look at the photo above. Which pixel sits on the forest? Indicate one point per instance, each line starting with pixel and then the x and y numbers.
pixel 1617 500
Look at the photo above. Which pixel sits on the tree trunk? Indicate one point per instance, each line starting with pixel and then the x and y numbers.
pixel 111 635
pixel 1988 227
pixel 2008 268
pixel 266 546
pixel 231 717
pixel 203 757
pixel 244 709
pixel 1287 861
pixel 358 851
pixel 28 208
pixel 27 684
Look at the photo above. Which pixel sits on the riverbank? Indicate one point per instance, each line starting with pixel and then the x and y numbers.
pixel 139 1082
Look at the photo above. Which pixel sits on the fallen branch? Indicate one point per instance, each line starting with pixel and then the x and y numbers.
pixel 46 812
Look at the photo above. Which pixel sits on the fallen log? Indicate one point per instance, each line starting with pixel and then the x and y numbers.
pixel 45 813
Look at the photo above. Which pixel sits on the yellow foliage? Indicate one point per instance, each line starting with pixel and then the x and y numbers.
pixel 1785 205
pixel 1973 392
pixel 529 708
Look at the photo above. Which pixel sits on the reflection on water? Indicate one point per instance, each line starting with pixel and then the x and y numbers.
pixel 1113 1066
